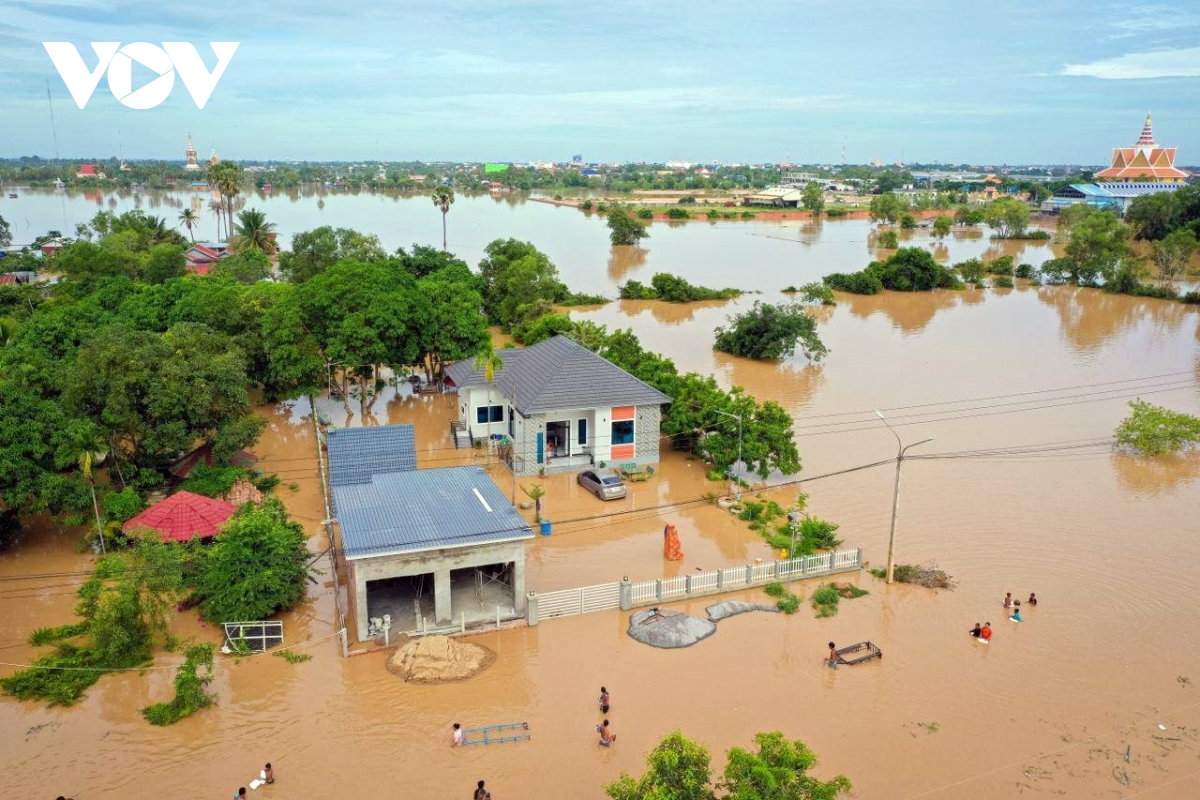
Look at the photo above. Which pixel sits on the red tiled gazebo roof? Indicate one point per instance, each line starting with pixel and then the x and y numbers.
pixel 184 516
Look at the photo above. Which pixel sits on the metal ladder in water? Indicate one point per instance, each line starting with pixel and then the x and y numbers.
pixel 505 731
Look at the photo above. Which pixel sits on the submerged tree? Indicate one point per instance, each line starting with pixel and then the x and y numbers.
pixel 1153 430
pixel 680 769
pixel 768 332
pixel 443 198
pixel 624 228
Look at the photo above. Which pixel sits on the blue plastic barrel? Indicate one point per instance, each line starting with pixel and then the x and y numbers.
pixel 545 527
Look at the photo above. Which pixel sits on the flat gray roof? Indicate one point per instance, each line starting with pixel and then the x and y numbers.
pixel 426 509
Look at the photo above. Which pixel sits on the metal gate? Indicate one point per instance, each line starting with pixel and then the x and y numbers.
pixel 567 602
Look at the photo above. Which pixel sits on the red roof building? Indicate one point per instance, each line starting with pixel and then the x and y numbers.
pixel 203 256
pixel 1145 162
pixel 184 516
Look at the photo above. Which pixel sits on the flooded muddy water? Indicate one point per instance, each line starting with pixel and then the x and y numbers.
pixel 1019 492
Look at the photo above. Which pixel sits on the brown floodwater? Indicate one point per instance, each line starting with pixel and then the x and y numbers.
pixel 1020 387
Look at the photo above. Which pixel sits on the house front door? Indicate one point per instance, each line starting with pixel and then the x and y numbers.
pixel 558 439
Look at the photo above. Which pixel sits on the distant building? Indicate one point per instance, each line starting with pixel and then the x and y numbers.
pixel 1144 163
pixel 1109 196
pixel 89 171
pixel 190 154
pixel 202 257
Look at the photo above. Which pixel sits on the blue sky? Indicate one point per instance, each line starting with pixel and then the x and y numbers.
pixel 978 82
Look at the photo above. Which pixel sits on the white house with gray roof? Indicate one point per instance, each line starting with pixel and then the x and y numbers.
pixel 424 547
pixel 560 407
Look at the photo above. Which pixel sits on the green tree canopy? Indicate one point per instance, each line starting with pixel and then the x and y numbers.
pixel 768 332
pixel 257 565
pixel 518 279
pixel 1008 216
pixel 1097 245
pixel 1154 431
pixel 316 250
pixel 680 769
pixel 1173 253
pixel 623 227
pixel 887 207
pixel 813 198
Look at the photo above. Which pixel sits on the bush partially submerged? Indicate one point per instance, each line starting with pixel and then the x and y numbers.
pixel 927 575
pixel 190 688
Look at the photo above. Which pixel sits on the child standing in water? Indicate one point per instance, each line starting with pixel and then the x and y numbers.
pixel 603 700
pixel 832 661
pixel 1016 617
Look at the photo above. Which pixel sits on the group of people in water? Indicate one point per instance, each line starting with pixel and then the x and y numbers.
pixel 984 632
pixel 265 777
pixel 607 737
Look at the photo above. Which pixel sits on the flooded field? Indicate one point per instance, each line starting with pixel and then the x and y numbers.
pixel 1021 493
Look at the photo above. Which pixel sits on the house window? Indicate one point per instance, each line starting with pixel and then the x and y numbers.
pixel 583 431
pixel 622 432
pixel 482 414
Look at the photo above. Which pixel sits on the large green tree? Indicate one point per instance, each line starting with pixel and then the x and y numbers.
pixel 1008 216
pixel 443 198
pixel 623 227
pixel 316 250
pixel 770 332
pixel 813 198
pixel 518 281
pixel 155 395
pixel 887 207
pixel 1097 245
pixel 253 232
pixel 1154 431
pixel 257 565
pixel 1173 253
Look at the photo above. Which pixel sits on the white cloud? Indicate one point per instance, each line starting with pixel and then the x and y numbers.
pixel 1179 63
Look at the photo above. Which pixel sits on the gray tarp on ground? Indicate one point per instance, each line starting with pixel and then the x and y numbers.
pixel 661 628
pixel 730 608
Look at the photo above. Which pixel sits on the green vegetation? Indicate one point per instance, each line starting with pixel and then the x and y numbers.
pixel 645 213
pixel 889 240
pixel 678 213
pixel 1000 266
pixel 927 575
pixel 768 333
pixel 257 565
pixel 1156 216
pixel 785 600
pixel 815 292
pixel 680 769
pixel 1008 216
pixel 825 600
pixel 1174 252
pixel 1153 430
pixel 942 226
pixel 911 269
pixel 1003 282
pixel 191 693
pixel 908 221
pixel 292 657
pixel 887 207
pixel 812 197
pixel 624 228
pixel 673 289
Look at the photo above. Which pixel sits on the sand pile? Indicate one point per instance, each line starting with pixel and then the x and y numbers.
pixel 439 659
pixel 660 627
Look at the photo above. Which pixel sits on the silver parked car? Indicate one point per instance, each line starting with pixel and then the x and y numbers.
pixel 604 483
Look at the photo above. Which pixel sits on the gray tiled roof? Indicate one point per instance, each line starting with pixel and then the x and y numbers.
pixel 355 454
pixel 424 509
pixel 558 374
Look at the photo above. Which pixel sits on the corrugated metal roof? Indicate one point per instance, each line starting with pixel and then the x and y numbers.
pixel 559 374
pixel 423 510
pixel 184 516
pixel 355 454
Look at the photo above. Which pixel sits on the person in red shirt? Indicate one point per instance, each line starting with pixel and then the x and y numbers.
pixel 986 633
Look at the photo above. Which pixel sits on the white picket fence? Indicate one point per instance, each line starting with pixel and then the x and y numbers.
pixel 607 596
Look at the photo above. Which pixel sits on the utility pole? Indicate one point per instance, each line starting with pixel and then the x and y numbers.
pixel 891 561
pixel 737 479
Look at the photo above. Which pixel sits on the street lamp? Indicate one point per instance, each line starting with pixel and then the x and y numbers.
pixel 793 521
pixel 891 562
pixel 737 479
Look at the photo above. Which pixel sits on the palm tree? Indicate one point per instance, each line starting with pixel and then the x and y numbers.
pixel 217 211
pixel 87 447
pixel 227 177
pixel 189 219
pixel 488 361
pixel 443 198
pixel 253 232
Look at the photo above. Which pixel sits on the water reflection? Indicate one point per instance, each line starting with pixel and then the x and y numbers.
pixel 909 312
pixel 792 383
pixel 1155 475
pixel 668 313
pixel 623 259
pixel 1090 317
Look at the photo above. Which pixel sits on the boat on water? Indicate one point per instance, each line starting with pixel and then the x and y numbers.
pixel 12 195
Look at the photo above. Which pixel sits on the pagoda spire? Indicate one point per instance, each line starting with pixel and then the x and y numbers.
pixel 191 165
pixel 1147 137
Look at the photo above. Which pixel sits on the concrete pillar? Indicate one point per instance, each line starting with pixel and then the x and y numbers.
pixel 441 597
pixel 531 609
pixel 518 587
pixel 626 593
pixel 360 602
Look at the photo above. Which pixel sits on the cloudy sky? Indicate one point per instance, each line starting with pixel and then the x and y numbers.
pixel 1017 81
